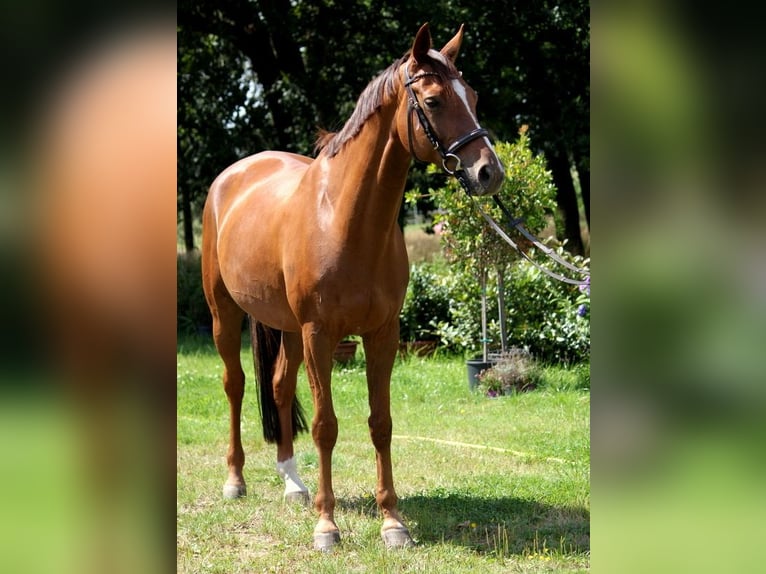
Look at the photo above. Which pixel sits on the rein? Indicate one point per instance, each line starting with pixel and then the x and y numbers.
pixel 517 224
pixel 459 173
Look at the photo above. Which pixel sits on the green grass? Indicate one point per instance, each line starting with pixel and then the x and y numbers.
pixel 485 485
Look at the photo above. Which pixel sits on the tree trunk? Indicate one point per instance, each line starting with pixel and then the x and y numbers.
pixel 501 309
pixel 186 210
pixel 567 201
pixel 583 170
pixel 484 337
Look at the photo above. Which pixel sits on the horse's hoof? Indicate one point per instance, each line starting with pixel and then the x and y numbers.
pixel 232 491
pixel 298 497
pixel 326 541
pixel 397 538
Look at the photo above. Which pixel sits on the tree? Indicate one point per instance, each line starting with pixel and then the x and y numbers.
pixel 210 92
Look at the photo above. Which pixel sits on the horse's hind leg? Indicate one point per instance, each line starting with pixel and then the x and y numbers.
pixel 227 334
pixel 284 384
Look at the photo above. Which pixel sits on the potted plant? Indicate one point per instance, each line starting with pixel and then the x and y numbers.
pixel 514 371
pixel 474 247
pixel 345 352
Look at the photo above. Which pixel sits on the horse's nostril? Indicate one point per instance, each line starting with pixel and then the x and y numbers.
pixel 484 175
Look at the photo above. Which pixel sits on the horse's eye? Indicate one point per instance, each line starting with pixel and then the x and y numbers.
pixel 431 103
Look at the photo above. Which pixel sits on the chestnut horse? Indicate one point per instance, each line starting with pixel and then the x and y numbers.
pixel 312 251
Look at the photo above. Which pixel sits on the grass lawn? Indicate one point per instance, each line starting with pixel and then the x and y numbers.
pixel 485 485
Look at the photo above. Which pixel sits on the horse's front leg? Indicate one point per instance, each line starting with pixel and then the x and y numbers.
pixel 284 383
pixel 318 350
pixel 380 351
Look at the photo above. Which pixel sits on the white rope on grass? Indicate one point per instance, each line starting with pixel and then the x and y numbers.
pixel 479 447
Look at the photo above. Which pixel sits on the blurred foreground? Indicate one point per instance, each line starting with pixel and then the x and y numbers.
pixel 87 235
pixel 679 296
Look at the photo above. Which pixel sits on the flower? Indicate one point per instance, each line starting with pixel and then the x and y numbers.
pixel 585 287
pixel 584 298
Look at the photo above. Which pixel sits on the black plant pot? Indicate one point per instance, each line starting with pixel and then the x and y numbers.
pixel 475 367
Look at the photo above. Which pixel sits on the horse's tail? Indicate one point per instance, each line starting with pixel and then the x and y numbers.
pixel 266 342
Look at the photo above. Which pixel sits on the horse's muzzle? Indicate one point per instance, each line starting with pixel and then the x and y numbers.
pixel 486 176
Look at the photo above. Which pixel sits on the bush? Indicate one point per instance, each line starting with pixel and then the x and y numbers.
pixel 192 313
pixel 543 315
pixel 515 371
pixel 426 304
pixel 528 192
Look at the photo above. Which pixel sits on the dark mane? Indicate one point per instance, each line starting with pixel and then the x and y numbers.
pixel 372 97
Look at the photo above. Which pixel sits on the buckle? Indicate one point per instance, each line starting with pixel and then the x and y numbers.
pixel 458 164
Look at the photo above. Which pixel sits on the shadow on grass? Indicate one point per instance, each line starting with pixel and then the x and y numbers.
pixel 501 526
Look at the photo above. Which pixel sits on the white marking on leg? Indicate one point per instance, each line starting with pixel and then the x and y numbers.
pixel 294 487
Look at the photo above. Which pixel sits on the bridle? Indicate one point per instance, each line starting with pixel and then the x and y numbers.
pixel 448 154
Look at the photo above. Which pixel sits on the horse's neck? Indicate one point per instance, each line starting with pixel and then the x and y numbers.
pixel 368 187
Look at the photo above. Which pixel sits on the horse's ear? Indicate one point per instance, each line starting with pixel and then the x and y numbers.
pixel 422 44
pixel 452 47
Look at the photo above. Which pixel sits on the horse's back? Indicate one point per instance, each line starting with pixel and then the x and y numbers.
pixel 260 178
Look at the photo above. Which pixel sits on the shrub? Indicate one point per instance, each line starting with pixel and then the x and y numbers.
pixel 426 304
pixel 528 192
pixel 478 252
pixel 192 313
pixel 543 313
pixel 514 371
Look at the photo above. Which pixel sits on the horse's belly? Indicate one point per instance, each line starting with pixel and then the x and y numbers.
pixel 258 288
pixel 277 316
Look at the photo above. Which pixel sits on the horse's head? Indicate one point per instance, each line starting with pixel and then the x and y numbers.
pixel 436 119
